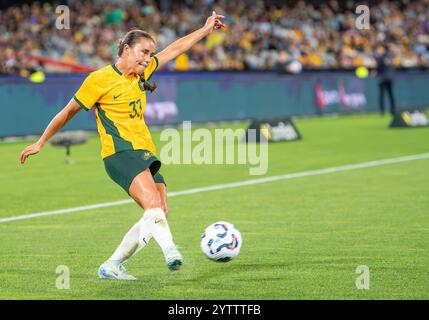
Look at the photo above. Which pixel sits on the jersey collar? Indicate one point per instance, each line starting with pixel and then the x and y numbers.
pixel 116 69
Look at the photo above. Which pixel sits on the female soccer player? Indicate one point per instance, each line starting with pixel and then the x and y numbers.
pixel 117 93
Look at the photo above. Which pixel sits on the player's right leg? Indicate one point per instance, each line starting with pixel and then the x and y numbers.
pixel 145 192
pixel 134 240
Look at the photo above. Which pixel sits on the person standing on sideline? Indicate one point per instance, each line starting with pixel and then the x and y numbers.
pixel 384 74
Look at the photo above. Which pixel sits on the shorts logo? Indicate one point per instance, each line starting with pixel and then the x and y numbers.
pixel 147 155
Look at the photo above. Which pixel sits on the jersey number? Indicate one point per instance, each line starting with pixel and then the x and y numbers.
pixel 136 113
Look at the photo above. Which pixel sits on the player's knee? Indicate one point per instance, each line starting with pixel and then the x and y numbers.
pixel 153 200
pixel 156 200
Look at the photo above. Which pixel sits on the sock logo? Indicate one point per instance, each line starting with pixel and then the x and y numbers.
pixel 158 220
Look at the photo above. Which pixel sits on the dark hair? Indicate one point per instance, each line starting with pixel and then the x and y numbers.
pixel 131 38
pixel 147 86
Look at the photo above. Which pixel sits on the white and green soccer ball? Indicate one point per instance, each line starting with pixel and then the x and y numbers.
pixel 221 241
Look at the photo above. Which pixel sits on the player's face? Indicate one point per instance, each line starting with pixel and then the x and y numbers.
pixel 141 53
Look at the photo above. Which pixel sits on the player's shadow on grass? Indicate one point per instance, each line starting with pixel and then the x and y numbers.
pixel 258 271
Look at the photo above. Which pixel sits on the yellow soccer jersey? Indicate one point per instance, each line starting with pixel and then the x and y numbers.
pixel 119 102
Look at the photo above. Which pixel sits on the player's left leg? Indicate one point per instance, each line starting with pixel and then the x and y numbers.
pixel 145 192
pixel 161 186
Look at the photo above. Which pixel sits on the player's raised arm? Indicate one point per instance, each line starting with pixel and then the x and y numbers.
pixel 54 126
pixel 184 44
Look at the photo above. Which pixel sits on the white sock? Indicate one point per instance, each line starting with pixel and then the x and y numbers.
pixel 135 240
pixel 157 225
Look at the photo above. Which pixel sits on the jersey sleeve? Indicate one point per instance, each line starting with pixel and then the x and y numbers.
pixel 153 65
pixel 89 92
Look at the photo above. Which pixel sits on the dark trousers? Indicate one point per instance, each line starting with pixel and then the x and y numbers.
pixel 386 85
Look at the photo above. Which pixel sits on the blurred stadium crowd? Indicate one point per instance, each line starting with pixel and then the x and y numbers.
pixel 260 35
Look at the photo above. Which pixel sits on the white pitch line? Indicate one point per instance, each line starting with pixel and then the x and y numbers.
pixel 289 176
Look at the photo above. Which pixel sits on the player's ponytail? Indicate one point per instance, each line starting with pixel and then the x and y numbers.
pixel 147 86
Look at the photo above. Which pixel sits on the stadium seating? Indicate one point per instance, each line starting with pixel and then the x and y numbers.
pixel 260 35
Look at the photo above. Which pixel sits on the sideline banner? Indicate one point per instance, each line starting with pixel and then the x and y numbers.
pixel 27 108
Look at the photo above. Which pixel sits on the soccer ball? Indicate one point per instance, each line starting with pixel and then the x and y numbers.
pixel 221 241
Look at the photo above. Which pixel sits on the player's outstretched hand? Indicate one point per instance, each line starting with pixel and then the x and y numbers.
pixel 214 22
pixel 28 151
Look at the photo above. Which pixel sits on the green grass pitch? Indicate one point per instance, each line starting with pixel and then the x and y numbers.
pixel 302 238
